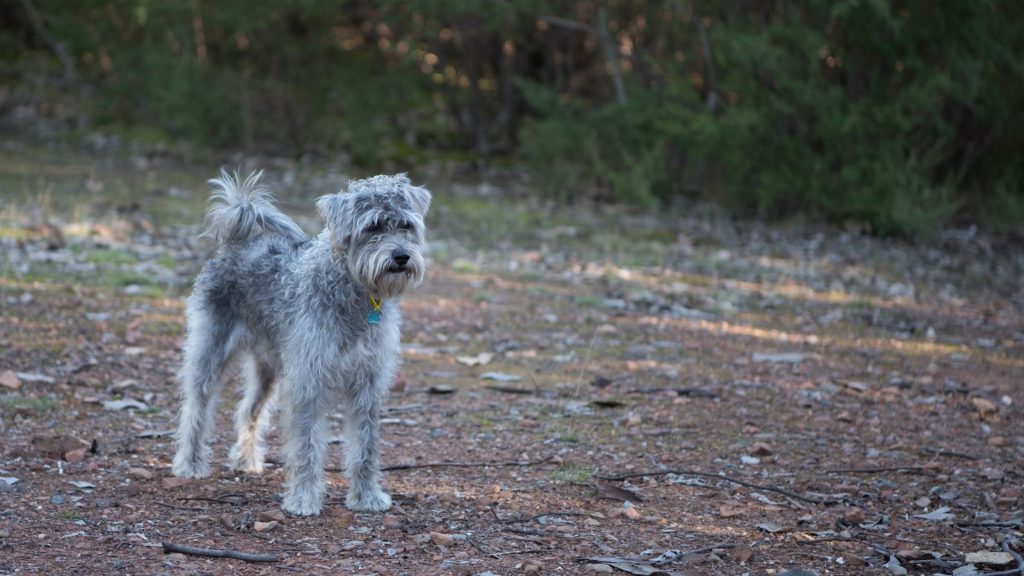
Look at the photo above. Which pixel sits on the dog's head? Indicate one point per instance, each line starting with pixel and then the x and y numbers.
pixel 378 225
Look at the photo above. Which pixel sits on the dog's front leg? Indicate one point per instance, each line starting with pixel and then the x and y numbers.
pixel 305 448
pixel 363 397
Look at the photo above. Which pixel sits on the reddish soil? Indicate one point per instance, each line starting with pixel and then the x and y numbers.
pixel 883 408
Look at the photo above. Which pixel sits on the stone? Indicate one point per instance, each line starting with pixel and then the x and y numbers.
pixel 990 558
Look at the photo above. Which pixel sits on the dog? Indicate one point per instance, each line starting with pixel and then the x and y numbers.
pixel 316 317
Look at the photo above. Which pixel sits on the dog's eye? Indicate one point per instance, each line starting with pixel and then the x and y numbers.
pixel 405 225
pixel 374 228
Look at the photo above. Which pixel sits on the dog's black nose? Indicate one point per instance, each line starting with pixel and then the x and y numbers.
pixel 400 257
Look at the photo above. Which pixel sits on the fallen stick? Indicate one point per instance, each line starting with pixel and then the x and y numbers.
pixel 879 469
pixel 462 464
pixel 539 516
pixel 170 547
pixel 782 491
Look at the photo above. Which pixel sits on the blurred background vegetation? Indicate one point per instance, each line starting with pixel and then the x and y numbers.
pixel 901 117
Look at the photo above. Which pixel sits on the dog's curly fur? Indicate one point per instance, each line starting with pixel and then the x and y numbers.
pixel 300 312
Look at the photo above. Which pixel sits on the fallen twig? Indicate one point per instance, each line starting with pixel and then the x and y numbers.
pixel 949 453
pixel 879 469
pixel 183 508
pixel 394 467
pixel 537 516
pixel 783 491
pixel 170 547
pixel 690 392
pixel 675 554
pixel 991 524
pixel 233 499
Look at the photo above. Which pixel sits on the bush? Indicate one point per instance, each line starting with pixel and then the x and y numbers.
pixel 901 114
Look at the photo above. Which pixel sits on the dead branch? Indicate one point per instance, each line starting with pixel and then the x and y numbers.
pixel 879 469
pixel 610 54
pixel 690 392
pixel 459 465
pixel 59 49
pixel 183 508
pixel 233 499
pixel 949 453
pixel 677 554
pixel 991 524
pixel 526 531
pixel 537 516
pixel 170 547
pixel 783 491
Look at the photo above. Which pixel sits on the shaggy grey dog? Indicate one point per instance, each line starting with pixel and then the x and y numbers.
pixel 319 316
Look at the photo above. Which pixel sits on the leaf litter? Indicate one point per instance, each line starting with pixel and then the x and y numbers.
pixel 861 374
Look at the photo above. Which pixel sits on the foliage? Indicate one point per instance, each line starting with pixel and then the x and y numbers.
pixel 899 114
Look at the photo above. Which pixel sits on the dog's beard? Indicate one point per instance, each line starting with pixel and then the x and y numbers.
pixel 376 270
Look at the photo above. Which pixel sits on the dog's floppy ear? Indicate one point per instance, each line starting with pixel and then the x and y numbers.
pixel 418 197
pixel 336 211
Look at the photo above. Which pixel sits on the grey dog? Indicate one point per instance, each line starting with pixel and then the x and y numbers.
pixel 319 316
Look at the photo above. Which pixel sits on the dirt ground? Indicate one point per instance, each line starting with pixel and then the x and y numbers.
pixel 764 398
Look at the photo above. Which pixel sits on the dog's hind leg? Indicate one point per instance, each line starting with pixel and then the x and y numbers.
pixel 213 337
pixel 253 413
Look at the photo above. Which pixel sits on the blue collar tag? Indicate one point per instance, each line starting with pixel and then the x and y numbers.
pixel 373 317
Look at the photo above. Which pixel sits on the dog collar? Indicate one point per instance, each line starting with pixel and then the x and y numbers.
pixel 373 316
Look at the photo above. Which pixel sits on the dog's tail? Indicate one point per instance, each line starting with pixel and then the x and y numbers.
pixel 240 209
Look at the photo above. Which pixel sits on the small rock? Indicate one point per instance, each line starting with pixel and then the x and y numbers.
pixel 742 553
pixel 272 516
pixel 140 473
pixel 265 526
pixel 57 499
pixel 122 404
pixel 798 572
pixel 966 570
pixel 391 521
pixel 761 449
pixel 854 516
pixel 627 510
pixel 599 568
pixel 8 379
pixel 984 406
pixel 442 539
pixel 173 482
pixel 894 567
pixel 989 557
pixel 76 455
pixel 532 567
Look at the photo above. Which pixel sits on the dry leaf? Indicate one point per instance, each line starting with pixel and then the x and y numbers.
pixel 8 379
pixel 616 493
pixel 984 406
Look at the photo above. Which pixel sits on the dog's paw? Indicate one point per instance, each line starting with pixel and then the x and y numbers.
pixel 301 505
pixel 190 468
pixel 370 501
pixel 247 463
pixel 247 466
